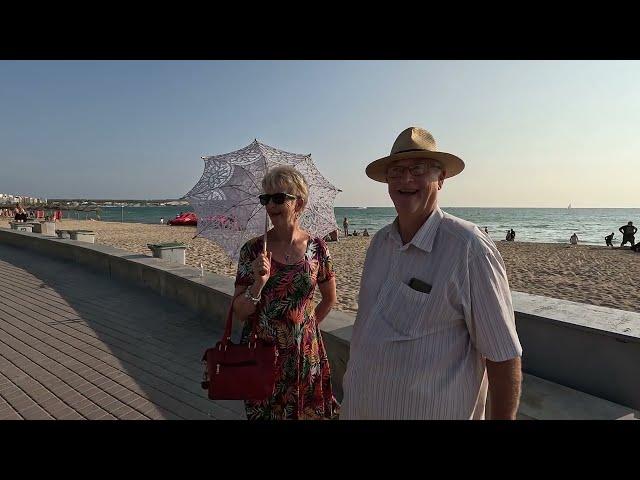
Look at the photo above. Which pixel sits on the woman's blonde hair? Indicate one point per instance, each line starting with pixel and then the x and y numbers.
pixel 289 179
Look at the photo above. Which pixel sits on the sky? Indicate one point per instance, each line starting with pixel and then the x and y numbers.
pixel 532 133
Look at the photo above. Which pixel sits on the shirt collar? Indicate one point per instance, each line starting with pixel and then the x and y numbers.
pixel 424 237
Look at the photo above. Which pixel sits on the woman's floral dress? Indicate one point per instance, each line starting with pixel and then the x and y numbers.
pixel 285 316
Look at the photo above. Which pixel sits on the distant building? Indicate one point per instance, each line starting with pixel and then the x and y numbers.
pixel 8 198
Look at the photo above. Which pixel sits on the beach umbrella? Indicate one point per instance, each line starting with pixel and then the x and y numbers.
pixel 225 198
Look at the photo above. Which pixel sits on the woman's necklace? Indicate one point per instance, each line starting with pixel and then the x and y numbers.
pixel 287 256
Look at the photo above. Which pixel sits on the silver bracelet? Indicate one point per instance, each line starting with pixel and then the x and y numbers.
pixel 251 298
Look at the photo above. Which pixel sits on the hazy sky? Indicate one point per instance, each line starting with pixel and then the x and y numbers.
pixel 532 133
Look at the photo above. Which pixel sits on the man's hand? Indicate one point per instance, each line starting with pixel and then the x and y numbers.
pixel 505 379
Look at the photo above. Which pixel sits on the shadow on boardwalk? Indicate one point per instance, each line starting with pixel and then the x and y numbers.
pixel 78 345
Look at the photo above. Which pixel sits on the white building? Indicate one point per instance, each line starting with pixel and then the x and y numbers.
pixel 6 198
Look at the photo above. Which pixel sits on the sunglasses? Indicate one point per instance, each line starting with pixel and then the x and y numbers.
pixel 278 198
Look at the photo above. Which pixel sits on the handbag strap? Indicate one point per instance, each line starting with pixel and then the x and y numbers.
pixel 226 338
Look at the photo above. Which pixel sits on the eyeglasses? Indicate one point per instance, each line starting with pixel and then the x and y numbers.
pixel 397 171
pixel 278 198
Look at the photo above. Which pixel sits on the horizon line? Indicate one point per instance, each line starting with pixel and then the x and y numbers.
pixel 335 206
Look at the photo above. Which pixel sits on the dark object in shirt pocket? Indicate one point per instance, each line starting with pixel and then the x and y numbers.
pixel 419 286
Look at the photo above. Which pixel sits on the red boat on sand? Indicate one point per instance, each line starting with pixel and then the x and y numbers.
pixel 217 221
pixel 186 219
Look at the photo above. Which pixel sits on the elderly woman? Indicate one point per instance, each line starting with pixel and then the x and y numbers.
pixel 276 290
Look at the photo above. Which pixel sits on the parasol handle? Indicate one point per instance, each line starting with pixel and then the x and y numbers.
pixel 266 226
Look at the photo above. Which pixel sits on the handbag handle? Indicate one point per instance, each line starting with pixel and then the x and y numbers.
pixel 226 338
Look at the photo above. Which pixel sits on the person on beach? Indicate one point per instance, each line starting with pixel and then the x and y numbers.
pixel 161 220
pixel 365 233
pixel 355 233
pixel 435 329
pixel 345 226
pixel 628 232
pixel 509 238
pixel 486 230
pixel 276 290
pixel 573 240
pixel 609 240
pixel 20 214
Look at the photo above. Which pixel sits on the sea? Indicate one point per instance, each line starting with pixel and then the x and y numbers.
pixel 544 225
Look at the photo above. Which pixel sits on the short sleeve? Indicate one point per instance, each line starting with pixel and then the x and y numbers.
pixel 244 275
pixel 325 264
pixel 489 312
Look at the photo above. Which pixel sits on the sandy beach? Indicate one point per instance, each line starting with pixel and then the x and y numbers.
pixel 583 273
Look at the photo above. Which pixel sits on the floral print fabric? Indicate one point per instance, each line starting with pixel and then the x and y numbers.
pixel 285 315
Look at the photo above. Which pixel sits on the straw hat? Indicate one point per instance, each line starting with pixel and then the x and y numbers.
pixel 414 142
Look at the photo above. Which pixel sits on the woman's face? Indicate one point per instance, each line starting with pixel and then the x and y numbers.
pixel 285 214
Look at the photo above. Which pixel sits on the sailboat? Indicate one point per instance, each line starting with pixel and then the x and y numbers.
pixel 569 207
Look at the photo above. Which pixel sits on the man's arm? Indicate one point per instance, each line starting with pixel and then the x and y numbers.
pixel 505 379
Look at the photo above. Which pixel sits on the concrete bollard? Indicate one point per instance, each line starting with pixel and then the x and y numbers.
pixel 88 236
pixel 48 229
pixel 22 227
pixel 173 252
pixel 37 227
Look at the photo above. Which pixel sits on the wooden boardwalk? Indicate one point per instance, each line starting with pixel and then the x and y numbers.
pixel 77 345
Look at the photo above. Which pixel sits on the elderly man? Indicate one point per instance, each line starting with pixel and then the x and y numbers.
pixel 435 329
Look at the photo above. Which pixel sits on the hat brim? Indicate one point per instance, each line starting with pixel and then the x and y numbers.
pixel 377 170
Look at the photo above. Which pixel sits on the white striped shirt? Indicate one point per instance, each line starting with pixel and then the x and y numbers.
pixel 421 355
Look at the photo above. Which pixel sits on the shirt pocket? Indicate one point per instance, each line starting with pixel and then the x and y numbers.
pixel 407 311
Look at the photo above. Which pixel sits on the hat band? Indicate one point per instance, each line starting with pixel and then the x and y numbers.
pixel 412 150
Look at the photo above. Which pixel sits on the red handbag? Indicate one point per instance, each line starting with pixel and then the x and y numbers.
pixel 240 372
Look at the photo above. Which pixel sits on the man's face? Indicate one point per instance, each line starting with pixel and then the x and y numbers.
pixel 414 184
